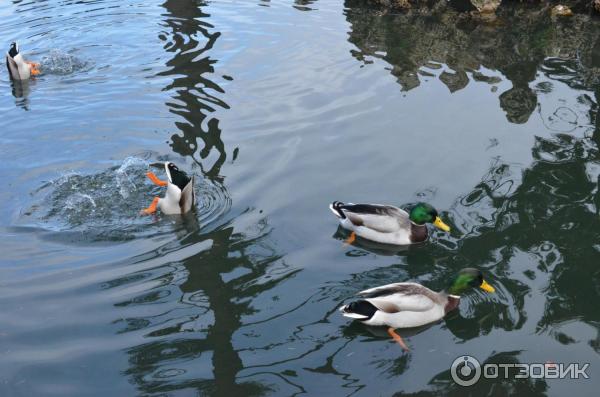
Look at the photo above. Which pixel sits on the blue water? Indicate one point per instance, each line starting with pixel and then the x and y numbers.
pixel 279 108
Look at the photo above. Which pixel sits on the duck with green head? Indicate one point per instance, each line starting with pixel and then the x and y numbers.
pixel 407 305
pixel 387 224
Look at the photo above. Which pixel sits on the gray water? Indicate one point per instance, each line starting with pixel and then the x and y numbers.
pixel 280 107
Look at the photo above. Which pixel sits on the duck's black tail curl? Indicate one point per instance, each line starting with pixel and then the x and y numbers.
pixel 14 50
pixel 336 208
pixel 359 310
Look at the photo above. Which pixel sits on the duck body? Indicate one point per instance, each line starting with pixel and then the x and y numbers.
pixel 179 197
pixel 177 200
pixel 385 224
pixel 400 305
pixel 407 305
pixel 18 67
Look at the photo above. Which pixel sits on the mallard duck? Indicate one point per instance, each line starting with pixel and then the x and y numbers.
pixel 407 305
pixel 180 197
pixel 387 224
pixel 18 67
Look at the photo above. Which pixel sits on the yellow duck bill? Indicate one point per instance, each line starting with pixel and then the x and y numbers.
pixel 440 224
pixel 486 287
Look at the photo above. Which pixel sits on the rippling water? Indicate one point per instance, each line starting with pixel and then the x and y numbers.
pixel 279 107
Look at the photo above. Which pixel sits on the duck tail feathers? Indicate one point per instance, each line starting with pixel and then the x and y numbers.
pixel 14 50
pixel 336 208
pixel 359 310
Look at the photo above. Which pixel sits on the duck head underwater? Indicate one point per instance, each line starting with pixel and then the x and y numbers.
pixel 18 67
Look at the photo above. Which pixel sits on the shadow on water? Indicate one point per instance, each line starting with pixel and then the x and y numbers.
pixel 189 39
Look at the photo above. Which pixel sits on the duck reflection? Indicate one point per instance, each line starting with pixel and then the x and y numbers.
pixel 342 234
pixel 21 90
pixel 189 39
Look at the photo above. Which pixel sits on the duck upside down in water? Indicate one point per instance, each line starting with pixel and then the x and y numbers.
pixel 407 305
pixel 18 67
pixel 387 224
pixel 180 197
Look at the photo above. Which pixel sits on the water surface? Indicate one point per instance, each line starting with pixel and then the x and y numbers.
pixel 280 107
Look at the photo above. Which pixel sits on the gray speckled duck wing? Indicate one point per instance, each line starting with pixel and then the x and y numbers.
pixel 393 298
pixel 13 70
pixel 188 197
pixel 382 218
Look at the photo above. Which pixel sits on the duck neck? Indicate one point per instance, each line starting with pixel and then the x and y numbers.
pixel 451 301
pixel 418 233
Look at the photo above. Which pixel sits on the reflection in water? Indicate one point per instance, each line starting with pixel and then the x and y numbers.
pixel 180 347
pixel 533 228
pixel 304 5
pixel 20 90
pixel 217 311
pixel 415 46
pixel 215 286
pixel 189 39
pixel 549 210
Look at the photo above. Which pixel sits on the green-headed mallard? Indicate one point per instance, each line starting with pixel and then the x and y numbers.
pixel 387 224
pixel 180 197
pixel 407 305
pixel 18 67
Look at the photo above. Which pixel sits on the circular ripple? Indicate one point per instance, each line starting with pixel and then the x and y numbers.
pixel 213 201
pixel 105 206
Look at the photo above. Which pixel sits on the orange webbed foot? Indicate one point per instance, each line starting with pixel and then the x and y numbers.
pixel 350 239
pixel 34 68
pixel 151 209
pixel 155 179
pixel 397 338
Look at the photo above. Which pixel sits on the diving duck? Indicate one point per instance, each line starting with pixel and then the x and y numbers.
pixel 18 67
pixel 387 224
pixel 407 305
pixel 180 197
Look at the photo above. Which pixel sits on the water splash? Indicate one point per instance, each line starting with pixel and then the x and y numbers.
pixel 124 182
pixel 105 206
pixel 61 63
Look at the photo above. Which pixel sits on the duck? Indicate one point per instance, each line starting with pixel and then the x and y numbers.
pixel 179 198
pixel 387 224
pixel 18 67
pixel 408 305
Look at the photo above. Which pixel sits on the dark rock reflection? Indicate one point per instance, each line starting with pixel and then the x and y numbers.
pixel 520 43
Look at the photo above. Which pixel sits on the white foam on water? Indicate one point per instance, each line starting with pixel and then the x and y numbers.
pixel 124 182
pixel 61 62
pixel 79 199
